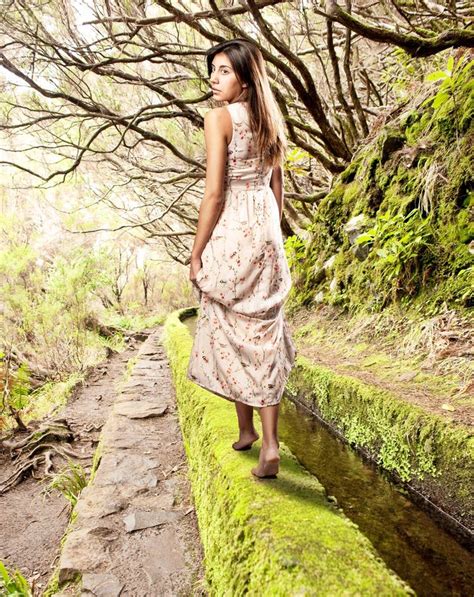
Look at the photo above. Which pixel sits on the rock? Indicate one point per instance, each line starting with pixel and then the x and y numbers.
pixel 354 228
pixel 361 252
pixel 144 520
pixel 82 551
pixel 447 406
pixel 140 409
pixel 355 225
pixel 98 502
pixel 408 376
pixel 130 469
pixel 393 141
pixel 329 262
pixel 164 562
pixel 102 585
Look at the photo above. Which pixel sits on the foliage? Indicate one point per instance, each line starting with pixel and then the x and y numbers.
pixel 70 481
pixel 14 387
pixel 397 242
pixel 60 314
pixel 450 109
pixel 398 221
pixel 13 585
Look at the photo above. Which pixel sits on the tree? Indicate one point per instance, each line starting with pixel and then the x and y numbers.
pixel 119 89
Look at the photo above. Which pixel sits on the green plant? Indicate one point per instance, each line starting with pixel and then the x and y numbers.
pixel 295 249
pixel 447 99
pixel 14 388
pixel 397 244
pixel 294 161
pixel 70 481
pixel 13 584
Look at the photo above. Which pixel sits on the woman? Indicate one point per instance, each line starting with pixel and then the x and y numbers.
pixel 242 348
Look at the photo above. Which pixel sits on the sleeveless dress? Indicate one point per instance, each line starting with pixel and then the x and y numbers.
pixel 242 348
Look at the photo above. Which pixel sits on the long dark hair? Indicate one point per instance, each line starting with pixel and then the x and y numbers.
pixel 266 121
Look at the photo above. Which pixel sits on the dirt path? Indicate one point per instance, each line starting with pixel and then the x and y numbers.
pixel 32 523
pixel 136 531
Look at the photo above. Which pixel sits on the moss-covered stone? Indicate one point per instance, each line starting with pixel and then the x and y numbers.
pixel 275 537
pixel 433 455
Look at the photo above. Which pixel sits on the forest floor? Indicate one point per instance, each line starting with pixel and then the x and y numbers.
pixel 429 365
pixel 34 520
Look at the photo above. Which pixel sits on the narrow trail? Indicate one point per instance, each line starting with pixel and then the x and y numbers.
pixel 136 531
pixel 32 524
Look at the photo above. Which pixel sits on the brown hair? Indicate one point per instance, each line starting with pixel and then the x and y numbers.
pixel 266 121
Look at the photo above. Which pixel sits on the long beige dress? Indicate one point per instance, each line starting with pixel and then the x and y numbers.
pixel 242 348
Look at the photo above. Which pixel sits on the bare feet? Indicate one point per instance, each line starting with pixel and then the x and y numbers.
pixel 268 463
pixel 245 440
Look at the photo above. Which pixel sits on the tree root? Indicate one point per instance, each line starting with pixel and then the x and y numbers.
pixel 36 450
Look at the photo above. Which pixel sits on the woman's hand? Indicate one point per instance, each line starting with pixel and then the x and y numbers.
pixel 195 266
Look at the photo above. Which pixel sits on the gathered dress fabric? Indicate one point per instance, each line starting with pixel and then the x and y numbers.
pixel 242 348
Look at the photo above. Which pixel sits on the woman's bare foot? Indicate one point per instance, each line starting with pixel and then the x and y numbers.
pixel 245 440
pixel 268 463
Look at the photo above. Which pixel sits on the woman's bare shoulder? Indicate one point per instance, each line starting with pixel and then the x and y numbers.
pixel 218 120
pixel 216 115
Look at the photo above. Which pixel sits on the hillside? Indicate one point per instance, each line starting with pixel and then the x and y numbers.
pixel 383 285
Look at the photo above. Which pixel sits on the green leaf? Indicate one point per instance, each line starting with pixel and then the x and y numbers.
pixel 436 76
pixel 364 237
pixel 440 99
pixel 450 64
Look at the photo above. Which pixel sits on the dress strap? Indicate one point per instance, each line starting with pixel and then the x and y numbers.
pixel 238 112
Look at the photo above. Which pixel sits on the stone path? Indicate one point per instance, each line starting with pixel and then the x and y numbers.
pixel 136 532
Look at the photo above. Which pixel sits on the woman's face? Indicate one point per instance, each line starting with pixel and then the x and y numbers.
pixel 224 83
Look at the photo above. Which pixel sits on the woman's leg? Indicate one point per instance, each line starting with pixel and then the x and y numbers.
pixel 269 459
pixel 247 431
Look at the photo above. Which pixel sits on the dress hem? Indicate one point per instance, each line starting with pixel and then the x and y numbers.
pixel 229 398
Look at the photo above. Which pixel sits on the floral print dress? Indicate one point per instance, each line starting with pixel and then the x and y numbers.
pixel 242 347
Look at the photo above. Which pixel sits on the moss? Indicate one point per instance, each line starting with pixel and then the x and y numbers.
pixel 400 437
pixel 278 537
pixel 349 173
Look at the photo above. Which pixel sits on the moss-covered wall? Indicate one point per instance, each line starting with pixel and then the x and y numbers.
pixel 435 456
pixel 399 220
pixel 271 537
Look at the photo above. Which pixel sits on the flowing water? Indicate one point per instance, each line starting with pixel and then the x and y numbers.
pixel 427 557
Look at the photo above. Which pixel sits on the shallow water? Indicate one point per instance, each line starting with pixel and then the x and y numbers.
pixel 427 557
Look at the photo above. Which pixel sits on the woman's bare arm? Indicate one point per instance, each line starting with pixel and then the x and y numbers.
pixel 216 132
pixel 276 184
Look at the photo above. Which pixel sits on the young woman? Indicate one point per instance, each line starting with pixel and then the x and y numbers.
pixel 242 348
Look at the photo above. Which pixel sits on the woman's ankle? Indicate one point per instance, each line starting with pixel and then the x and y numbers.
pixel 248 432
pixel 270 445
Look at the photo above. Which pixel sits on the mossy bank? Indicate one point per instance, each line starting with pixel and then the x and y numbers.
pixel 397 224
pixel 435 456
pixel 271 537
